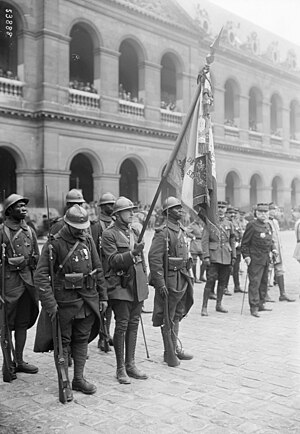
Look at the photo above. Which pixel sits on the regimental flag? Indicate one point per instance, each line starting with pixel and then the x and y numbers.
pixel 193 172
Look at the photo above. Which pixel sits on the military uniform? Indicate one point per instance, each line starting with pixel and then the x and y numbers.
pixel 220 254
pixel 127 287
pixel 170 268
pixel 195 231
pixel 21 297
pixel 79 288
pixel 257 243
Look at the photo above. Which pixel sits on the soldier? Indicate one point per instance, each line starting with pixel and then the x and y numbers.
pixel 278 264
pixel 194 231
pixel 170 265
pixel 106 203
pixel 22 254
pixel 73 197
pixel 220 256
pixel 238 233
pixel 80 291
pixel 127 286
pixel 257 244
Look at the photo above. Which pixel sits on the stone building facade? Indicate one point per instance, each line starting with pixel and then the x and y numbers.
pixel 93 94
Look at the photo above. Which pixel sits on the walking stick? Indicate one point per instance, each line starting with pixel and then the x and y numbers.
pixel 244 292
pixel 144 336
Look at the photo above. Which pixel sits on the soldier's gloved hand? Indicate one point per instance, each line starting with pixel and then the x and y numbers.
pixel 233 261
pixel 138 248
pixel 163 290
pixel 206 261
pixel 103 306
pixel 52 313
pixel 248 260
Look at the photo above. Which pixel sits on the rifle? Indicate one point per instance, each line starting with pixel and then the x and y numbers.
pixel 9 360
pixel 63 380
pixel 167 329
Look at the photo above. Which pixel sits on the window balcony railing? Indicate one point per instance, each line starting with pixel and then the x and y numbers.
pixel 131 108
pixel 171 117
pixel 10 87
pixel 85 99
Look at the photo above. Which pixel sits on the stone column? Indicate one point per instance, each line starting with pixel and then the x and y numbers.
pixel 109 73
pixel 149 74
pixel 266 123
pixel 244 118
pixel 244 196
pixel 106 183
pixel 217 115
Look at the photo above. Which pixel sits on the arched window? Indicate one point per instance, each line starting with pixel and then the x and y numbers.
pixel 276 116
pixel 82 176
pixel 277 185
pixel 168 83
pixel 8 42
pixel 7 173
pixel 255 110
pixel 81 59
pixel 232 106
pixel 232 184
pixel 255 186
pixel 129 180
pixel 128 72
pixel 295 192
pixel 295 120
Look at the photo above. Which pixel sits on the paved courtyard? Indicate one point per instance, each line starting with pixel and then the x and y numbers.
pixel 244 378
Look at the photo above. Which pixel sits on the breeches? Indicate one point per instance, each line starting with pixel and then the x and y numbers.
pixel 219 272
pixel 77 330
pixel 127 315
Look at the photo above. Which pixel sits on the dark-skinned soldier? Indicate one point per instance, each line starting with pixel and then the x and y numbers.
pixel 170 246
pixel 22 253
pixel 127 286
pixel 106 204
pixel 220 255
pixel 75 259
pixel 257 249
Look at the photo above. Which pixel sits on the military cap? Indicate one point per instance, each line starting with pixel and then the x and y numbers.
pixel 262 207
pixel 231 209
pixel 222 203
pixel 272 205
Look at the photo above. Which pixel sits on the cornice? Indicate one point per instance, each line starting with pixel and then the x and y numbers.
pixel 256 152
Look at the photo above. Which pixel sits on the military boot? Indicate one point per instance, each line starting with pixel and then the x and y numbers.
pixel 206 296
pixel 219 307
pixel 119 343
pixel 79 352
pixel 283 296
pixel 180 353
pixel 202 271
pixel 130 343
pixel 21 366
pixel 169 354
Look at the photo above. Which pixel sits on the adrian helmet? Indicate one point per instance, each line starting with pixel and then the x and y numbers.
pixel 74 196
pixel 12 199
pixel 77 217
pixel 171 202
pixel 107 198
pixel 121 204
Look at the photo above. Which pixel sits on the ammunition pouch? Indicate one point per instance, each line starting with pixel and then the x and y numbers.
pixel 74 281
pixel 17 263
pixel 90 281
pixel 177 264
pixel 124 278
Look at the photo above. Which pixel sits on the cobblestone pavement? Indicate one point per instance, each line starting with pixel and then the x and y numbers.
pixel 244 377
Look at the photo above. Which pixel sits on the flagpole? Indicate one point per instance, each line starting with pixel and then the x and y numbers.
pixel 201 76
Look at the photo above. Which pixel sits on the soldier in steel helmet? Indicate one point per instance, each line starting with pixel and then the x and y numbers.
pixel 175 281
pixel 22 253
pixel 127 286
pixel 73 197
pixel 104 220
pixel 80 290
